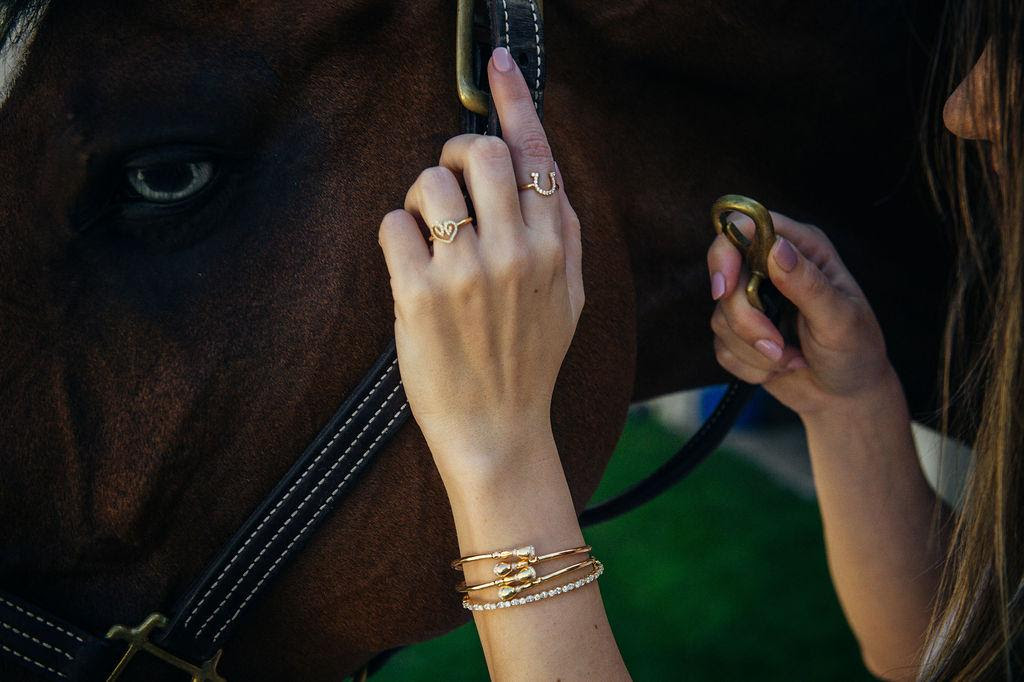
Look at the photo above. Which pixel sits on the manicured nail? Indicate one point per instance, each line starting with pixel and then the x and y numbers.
pixel 785 255
pixel 502 59
pixel 796 363
pixel 769 349
pixel 717 286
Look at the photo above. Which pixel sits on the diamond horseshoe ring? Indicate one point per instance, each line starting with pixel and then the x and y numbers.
pixel 535 185
pixel 448 230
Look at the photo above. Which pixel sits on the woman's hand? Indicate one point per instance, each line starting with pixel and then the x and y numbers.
pixel 483 323
pixel 842 353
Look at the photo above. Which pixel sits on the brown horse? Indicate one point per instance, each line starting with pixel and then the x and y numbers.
pixel 162 364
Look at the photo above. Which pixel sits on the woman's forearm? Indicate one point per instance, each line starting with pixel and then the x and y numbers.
pixel 884 549
pixel 483 319
pixel 566 637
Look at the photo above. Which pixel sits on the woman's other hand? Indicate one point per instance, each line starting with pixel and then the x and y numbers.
pixel 841 355
pixel 482 324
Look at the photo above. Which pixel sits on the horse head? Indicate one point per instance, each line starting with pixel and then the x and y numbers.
pixel 191 283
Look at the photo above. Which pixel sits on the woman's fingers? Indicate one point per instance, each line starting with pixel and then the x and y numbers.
pixel 724 259
pixel 436 199
pixel 816 247
pixel 524 134
pixel 822 305
pixel 803 266
pixel 405 251
pixel 485 164
pixel 842 351
pixel 724 265
pixel 759 350
pixel 812 242
pixel 736 366
pixel 748 323
pixel 572 239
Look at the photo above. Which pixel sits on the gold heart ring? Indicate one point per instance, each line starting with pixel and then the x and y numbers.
pixel 448 230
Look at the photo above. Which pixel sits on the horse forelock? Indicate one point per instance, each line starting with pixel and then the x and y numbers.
pixel 19 21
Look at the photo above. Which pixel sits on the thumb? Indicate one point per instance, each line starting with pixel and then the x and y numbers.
pixel 803 283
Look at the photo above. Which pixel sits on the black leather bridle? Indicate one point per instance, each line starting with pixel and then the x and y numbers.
pixel 192 637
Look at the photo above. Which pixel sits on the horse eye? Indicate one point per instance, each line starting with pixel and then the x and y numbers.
pixel 168 183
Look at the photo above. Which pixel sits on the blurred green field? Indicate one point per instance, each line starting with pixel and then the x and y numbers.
pixel 723 578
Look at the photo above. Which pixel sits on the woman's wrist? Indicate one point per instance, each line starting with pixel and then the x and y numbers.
pixel 531 505
pixel 494 458
pixel 883 395
pixel 864 427
pixel 519 495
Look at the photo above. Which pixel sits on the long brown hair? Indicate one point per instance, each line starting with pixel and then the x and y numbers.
pixel 977 625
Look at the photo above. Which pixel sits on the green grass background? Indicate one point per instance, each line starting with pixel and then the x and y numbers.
pixel 722 578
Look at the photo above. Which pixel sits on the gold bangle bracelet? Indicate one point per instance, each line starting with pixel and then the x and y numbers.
pixel 468 603
pixel 507 590
pixel 503 568
pixel 521 572
pixel 518 552
pixel 520 577
pixel 522 555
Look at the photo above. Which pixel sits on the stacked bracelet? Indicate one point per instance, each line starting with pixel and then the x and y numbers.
pixel 523 579
pixel 467 603
pixel 519 571
pixel 522 555
pixel 516 573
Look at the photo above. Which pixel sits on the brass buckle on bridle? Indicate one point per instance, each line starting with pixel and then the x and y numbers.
pixel 756 251
pixel 472 97
pixel 138 640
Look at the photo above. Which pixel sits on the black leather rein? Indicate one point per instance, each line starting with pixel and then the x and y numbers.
pixel 192 637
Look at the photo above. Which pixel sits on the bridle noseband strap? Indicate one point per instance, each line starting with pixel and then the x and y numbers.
pixel 50 646
pixel 300 503
pixel 250 562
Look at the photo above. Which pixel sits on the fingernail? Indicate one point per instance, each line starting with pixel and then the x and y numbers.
pixel 784 254
pixel 769 349
pixel 796 363
pixel 502 59
pixel 717 286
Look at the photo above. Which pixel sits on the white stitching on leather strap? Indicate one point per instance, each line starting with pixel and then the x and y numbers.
pixel 39 642
pixel 42 620
pixel 263 522
pixel 504 6
pixel 301 505
pixel 31 660
pixel 536 38
pixel 298 535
